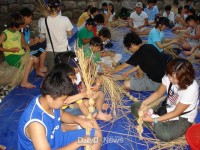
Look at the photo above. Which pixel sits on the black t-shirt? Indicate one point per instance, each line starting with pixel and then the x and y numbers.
pixel 150 60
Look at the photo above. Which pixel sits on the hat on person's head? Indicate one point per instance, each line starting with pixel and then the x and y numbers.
pixel 54 4
pixel 139 4
pixel 90 21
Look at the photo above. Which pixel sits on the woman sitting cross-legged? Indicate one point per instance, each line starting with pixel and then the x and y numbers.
pixel 182 102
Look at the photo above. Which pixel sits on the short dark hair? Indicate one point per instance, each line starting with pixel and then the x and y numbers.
pixel 96 41
pixel 26 12
pixel 192 10
pixel 69 70
pixel 192 17
pixel 180 9
pixel 188 1
pixel 88 8
pixel 162 21
pixel 56 84
pixel 105 32
pixel 151 1
pixel 186 7
pixel 99 18
pixel 184 71
pixel 131 38
pixel 15 20
pixel 168 8
pixel 104 4
pixel 93 10
pixel 176 2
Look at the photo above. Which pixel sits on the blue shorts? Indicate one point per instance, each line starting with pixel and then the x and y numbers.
pixel 71 136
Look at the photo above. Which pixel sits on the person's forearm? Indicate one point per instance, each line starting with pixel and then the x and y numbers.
pixel 132 70
pixel 164 44
pixel 85 41
pixel 120 68
pixel 68 118
pixel 74 98
pixel 5 49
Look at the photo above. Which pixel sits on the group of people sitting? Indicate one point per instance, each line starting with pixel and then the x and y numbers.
pixel 50 123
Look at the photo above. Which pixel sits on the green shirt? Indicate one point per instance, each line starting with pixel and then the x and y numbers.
pixel 88 53
pixel 84 34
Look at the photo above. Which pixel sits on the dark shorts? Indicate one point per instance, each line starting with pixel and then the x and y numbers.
pixel 38 49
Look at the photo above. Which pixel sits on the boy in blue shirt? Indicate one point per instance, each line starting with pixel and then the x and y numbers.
pixel 40 124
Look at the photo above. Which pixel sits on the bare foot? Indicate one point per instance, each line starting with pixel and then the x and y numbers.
pixel 27 85
pixel 104 116
pixel 105 106
pixel 41 74
pixel 2 147
pixel 43 69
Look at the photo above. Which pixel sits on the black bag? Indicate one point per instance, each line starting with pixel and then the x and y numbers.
pixel 162 109
pixel 58 58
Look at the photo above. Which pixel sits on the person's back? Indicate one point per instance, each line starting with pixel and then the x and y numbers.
pixel 57 26
pixel 151 61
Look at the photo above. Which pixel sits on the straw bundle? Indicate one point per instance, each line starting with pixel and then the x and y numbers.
pixel 119 23
pixel 113 90
pixel 20 71
pixel 89 73
pixel 142 112
pixel 116 33
pixel 42 7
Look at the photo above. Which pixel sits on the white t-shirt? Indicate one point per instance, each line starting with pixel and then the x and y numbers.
pixel 58 27
pixel 110 19
pixel 138 20
pixel 188 96
pixel 171 16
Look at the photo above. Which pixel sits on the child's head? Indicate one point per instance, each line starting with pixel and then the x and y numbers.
pixel 89 24
pixel 186 9
pixel 168 9
pixel 104 34
pixel 111 8
pixel 56 87
pixel 104 5
pixel 191 12
pixel 94 11
pixel 99 19
pixel 27 14
pixel 162 23
pixel 54 6
pixel 88 9
pixel 138 7
pixel 189 2
pixel 16 21
pixel 131 40
pixel 150 4
pixel 180 10
pixel 180 71
pixel 67 68
pixel 175 2
pixel 96 44
pixel 191 21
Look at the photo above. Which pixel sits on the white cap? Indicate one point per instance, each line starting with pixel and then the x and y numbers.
pixel 139 4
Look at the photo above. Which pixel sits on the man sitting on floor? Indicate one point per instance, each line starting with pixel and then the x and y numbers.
pixel 146 60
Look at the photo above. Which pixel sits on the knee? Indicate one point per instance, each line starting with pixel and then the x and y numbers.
pixel 126 85
pixel 162 134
